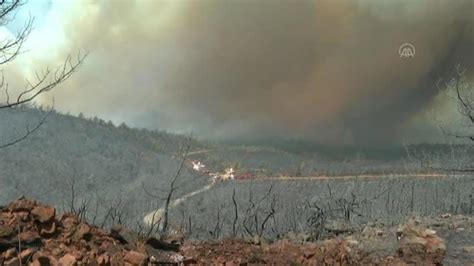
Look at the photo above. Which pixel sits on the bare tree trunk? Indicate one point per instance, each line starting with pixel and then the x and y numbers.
pixel 164 227
pixel 236 215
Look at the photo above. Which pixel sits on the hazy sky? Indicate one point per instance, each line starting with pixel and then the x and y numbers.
pixel 326 70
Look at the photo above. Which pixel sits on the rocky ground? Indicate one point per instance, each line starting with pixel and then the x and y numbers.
pixel 32 233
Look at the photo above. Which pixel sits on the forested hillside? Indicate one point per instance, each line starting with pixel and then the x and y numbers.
pixel 94 158
pixel 90 161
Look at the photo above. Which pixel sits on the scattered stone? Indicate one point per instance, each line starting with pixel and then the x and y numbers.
pixel 68 260
pixel 84 232
pixel 44 260
pixel 176 258
pixel 57 252
pixel 468 249
pixel 30 237
pixel 256 240
pixel 43 214
pixel 298 237
pixel 12 262
pixel 135 258
pixel 10 253
pixel 48 240
pixel 445 215
pixel 103 260
pixel 21 216
pixel 351 241
pixel 309 252
pixel 6 231
pixel 26 255
pixel 419 245
pixel 22 204
pixel 48 230
pixel 429 232
pixel 338 227
pixel 68 221
pixel 67 240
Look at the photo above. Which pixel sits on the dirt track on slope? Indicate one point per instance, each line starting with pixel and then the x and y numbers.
pixel 156 215
pixel 356 177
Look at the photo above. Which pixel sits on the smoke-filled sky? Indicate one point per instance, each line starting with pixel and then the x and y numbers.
pixel 323 70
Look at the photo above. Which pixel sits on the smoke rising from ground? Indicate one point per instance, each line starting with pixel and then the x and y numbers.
pixel 327 71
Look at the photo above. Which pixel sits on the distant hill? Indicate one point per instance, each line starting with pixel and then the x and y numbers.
pixel 106 162
pixel 109 164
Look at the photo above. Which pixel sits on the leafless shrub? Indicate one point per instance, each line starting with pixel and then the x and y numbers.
pixel 316 221
pixel 217 230
pixel 257 215
pixel 173 187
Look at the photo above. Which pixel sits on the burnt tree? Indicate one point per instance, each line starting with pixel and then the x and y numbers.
pixel 44 81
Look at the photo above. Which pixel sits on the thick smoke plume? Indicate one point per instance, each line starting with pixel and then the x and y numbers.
pixel 322 70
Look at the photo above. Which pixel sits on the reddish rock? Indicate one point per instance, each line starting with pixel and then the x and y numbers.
pixel 103 260
pixel 29 237
pixel 12 262
pixel 26 255
pixel 48 230
pixel 310 251
pixel 38 255
pixel 84 232
pixel 77 254
pixel 92 253
pixel 68 260
pixel 43 214
pixel 419 245
pixel 135 258
pixel 57 252
pixel 22 204
pixel 68 221
pixel 20 216
pixel 44 260
pixel 104 246
pixel 67 240
pixel 10 253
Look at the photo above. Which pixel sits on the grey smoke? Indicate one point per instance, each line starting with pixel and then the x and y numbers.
pixel 327 71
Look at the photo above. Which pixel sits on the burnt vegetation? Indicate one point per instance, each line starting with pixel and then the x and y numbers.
pixel 107 175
